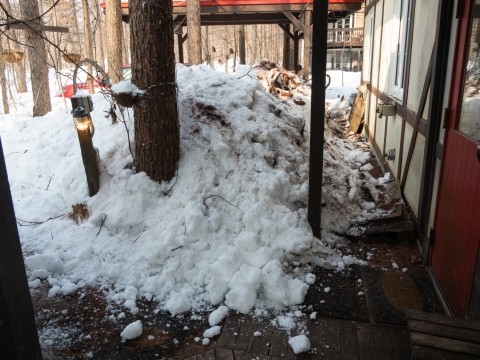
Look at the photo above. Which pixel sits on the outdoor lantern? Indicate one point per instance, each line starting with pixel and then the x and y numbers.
pixel 82 120
pixel 82 106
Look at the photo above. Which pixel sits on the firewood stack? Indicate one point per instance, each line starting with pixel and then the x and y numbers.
pixel 279 81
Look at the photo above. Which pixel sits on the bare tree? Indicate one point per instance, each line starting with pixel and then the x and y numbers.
pixel 114 32
pixel 194 32
pixel 19 67
pixel 241 43
pixel 88 42
pixel 3 83
pixel 38 58
pixel 157 142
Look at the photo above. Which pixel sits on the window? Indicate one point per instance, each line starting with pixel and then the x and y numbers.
pixel 400 23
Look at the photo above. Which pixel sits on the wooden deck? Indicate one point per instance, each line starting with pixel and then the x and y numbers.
pixel 330 338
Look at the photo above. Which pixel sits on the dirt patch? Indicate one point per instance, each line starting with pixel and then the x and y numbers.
pixel 85 324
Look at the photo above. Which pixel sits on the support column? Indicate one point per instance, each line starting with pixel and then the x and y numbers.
pixel 317 117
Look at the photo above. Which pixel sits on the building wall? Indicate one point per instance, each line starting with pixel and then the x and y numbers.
pixel 387 132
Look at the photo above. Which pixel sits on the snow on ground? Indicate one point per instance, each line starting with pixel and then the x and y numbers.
pixel 230 230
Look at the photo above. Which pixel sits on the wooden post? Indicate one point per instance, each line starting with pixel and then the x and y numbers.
pixel 18 332
pixel 89 157
pixel 317 120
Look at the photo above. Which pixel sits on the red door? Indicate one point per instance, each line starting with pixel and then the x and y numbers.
pixel 454 252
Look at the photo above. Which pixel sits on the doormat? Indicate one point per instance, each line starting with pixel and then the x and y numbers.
pixel 338 294
pixel 390 293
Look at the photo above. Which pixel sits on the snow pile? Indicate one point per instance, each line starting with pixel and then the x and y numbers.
pixel 227 230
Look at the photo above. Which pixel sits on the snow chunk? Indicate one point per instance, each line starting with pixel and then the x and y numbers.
pixel 213 331
pixel 310 278
pixel 241 299
pixel 218 315
pixel 177 304
pixel 299 344
pixel 48 263
pixel 132 330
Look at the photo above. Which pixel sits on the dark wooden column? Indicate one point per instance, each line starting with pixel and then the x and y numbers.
pixel 317 118
pixel 18 332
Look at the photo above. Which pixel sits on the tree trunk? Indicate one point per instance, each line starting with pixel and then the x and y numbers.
pixel 241 44
pixel 3 83
pixel 38 60
pixel 113 30
pixel 88 43
pixel 194 32
pixel 98 44
pixel 255 37
pixel 286 50
pixel 19 66
pixel 206 46
pixel 157 139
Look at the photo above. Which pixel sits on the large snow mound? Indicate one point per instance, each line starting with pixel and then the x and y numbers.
pixel 227 229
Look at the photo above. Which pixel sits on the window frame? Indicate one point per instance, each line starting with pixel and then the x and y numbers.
pixel 399 49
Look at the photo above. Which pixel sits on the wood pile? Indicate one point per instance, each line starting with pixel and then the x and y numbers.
pixel 277 80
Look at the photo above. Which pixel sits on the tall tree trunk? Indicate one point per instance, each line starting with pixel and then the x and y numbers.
pixel 206 46
pixel 113 25
pixel 98 41
pixel 255 36
pixel 126 48
pixel 38 60
pixel 286 50
pixel 3 83
pixel 194 32
pixel 88 43
pixel 241 44
pixel 19 66
pixel 157 139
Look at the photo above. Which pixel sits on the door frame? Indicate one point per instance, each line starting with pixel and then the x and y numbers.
pixel 460 58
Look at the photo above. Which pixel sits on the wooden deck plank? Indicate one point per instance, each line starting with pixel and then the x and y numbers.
pixel 224 354
pixel 401 343
pixel 209 355
pixel 261 344
pixel 442 343
pixel 316 337
pixel 278 344
pixel 442 319
pixel 366 343
pixel 421 353
pixel 444 330
pixel 244 340
pixel 229 329
pixel 348 340
pixel 332 345
pixel 383 343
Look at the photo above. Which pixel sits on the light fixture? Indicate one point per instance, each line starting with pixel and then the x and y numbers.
pixel 82 120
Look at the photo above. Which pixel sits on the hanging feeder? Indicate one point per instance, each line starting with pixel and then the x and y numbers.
pixel 11 56
pixel 126 99
pixel 72 58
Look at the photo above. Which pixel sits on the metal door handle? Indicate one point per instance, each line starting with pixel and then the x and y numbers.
pixel 478 152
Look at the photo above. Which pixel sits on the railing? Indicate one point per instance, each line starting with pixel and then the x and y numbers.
pixel 347 37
